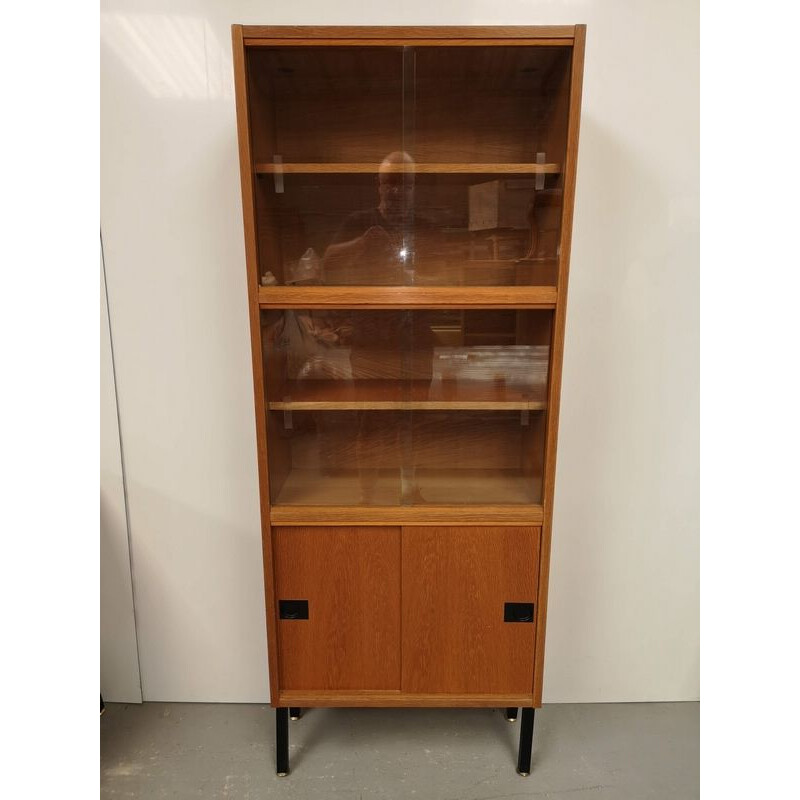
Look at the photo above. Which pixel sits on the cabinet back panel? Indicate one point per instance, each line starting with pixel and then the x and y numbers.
pixel 385 439
pixel 326 104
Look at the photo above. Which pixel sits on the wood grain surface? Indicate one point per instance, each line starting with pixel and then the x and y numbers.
pixel 455 584
pixel 435 515
pixel 401 297
pixel 447 33
pixel 351 579
pixel 373 699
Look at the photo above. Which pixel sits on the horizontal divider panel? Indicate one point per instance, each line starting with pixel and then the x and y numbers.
pixel 483 515
pixel 477 34
pixel 435 168
pixel 363 699
pixel 407 297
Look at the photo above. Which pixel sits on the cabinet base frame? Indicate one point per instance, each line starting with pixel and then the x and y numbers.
pixel 523 757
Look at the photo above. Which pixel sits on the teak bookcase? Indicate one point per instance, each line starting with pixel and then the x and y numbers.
pixel 407 196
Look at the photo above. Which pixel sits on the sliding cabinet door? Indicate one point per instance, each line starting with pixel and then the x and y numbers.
pixel 468 609
pixel 338 599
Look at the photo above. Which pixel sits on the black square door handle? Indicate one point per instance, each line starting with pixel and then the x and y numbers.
pixel 518 612
pixel 293 609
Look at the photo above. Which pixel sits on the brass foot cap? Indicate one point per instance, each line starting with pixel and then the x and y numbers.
pixel 282 774
pixel 511 719
pixel 294 718
pixel 523 774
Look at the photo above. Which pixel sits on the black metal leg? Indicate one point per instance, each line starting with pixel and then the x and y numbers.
pixel 295 713
pixel 525 742
pixel 511 714
pixel 282 741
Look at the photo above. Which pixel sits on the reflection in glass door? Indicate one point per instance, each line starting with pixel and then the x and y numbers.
pixel 406 407
pixel 424 166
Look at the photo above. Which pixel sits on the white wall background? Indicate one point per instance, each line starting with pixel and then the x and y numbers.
pixel 623 618
pixel 119 661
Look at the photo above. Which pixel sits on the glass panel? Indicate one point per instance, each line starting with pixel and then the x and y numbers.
pixel 325 105
pixel 322 120
pixel 495 121
pixel 409 166
pixel 406 407
pixel 497 105
pixel 463 457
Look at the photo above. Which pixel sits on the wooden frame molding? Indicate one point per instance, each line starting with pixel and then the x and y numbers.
pixel 256 35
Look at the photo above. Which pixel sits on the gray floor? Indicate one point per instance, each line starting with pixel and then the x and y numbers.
pixel 618 751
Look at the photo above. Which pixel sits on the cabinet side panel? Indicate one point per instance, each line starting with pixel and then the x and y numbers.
pixel 251 254
pixel 557 351
pixel 350 579
pixel 456 583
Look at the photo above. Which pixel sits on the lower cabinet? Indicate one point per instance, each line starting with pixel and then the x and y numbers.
pixel 420 610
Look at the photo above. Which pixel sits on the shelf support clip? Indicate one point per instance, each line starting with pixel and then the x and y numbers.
pixel 278 174
pixel 538 181
pixel 287 414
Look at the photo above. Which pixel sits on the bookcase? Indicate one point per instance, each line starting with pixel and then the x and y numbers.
pixel 407 199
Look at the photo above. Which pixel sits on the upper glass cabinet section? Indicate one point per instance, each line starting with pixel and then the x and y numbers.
pixel 404 166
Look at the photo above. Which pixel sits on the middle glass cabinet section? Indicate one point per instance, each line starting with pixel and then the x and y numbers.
pixel 411 407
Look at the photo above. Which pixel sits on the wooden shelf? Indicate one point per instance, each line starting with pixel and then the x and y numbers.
pixel 389 395
pixel 267 168
pixel 407 297
pixel 310 487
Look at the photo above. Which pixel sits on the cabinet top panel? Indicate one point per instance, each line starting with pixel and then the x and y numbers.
pixel 563 33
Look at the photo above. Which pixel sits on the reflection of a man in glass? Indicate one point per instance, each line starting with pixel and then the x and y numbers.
pixel 376 245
